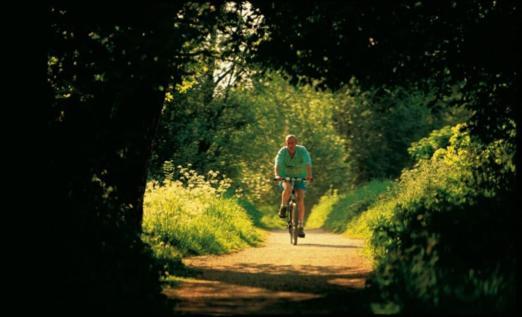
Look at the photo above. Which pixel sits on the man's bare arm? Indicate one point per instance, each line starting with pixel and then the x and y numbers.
pixel 309 172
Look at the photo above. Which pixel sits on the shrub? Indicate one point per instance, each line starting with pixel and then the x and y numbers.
pixel 444 241
pixel 192 215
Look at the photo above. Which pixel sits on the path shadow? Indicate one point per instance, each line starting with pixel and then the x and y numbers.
pixel 267 289
pixel 289 280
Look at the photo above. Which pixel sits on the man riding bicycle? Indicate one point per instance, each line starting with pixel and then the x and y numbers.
pixel 293 160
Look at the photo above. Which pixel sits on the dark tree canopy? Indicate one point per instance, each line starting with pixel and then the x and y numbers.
pixel 473 43
pixel 108 70
pixel 391 42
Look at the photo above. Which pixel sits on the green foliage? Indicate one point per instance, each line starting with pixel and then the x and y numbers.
pixel 281 109
pixel 322 209
pixel 378 126
pixel 424 148
pixel 241 134
pixel 191 215
pixel 442 240
pixel 334 212
pixel 193 129
pixel 263 216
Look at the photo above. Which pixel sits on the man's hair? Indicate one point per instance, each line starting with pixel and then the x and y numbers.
pixel 289 137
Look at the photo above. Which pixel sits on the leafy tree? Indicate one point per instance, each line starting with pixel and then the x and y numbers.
pixel 108 73
pixel 280 108
pixel 195 125
pixel 197 112
pixel 432 44
pixel 379 124
pixel 244 131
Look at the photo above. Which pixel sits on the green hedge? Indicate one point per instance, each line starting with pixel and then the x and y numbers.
pixel 444 241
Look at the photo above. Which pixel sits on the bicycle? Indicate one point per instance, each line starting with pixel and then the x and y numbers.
pixel 292 211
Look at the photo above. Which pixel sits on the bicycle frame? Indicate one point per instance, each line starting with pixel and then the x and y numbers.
pixel 292 212
pixel 292 216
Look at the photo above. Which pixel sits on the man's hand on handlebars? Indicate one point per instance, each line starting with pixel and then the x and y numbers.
pixel 278 178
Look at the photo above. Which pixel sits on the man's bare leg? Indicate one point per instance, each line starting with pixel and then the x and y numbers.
pixel 285 195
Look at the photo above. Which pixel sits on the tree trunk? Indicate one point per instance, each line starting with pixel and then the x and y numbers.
pixel 100 135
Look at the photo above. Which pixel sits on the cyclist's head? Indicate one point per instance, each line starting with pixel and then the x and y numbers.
pixel 291 141
pixel 290 136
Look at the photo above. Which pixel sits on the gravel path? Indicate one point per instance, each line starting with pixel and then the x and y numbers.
pixel 324 274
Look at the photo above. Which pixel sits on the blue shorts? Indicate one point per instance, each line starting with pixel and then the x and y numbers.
pixel 297 185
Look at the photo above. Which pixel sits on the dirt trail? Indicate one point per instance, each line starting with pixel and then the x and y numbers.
pixel 324 274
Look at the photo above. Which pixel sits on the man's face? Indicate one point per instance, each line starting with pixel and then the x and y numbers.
pixel 291 144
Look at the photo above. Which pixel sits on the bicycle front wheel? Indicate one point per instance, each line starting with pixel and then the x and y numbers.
pixel 294 233
pixel 291 227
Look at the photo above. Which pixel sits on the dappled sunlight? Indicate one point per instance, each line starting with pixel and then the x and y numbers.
pixel 348 282
pixel 220 298
pixel 276 274
pixel 204 289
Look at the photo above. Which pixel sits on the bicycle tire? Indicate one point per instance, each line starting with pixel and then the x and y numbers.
pixel 290 222
pixel 294 235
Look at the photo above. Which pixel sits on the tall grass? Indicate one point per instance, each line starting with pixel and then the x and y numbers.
pixel 334 212
pixel 193 215
pixel 265 216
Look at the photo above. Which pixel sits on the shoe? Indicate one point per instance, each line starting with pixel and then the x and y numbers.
pixel 282 212
pixel 300 232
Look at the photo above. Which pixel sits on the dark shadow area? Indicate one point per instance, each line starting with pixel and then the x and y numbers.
pixel 338 304
pixel 321 291
pixel 353 304
pixel 288 281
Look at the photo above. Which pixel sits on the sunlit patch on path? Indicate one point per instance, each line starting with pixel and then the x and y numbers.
pixel 325 273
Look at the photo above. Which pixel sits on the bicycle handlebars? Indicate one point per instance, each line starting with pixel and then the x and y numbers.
pixel 290 179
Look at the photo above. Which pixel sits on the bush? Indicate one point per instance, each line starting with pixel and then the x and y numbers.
pixel 191 215
pixel 444 241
